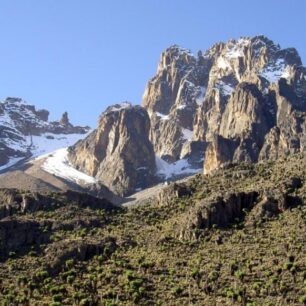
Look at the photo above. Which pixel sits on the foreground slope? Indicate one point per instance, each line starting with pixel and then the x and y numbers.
pixel 232 238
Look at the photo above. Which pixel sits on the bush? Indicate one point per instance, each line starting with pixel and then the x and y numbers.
pixel 85 302
pixel 302 299
pixel 177 291
pixel 57 297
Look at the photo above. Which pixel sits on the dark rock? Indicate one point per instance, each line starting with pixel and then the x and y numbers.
pixel 219 212
pixel 64 121
pixel 172 192
pixel 79 250
pixel 18 235
pixel 13 201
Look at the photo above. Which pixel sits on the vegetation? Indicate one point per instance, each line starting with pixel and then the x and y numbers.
pixel 135 256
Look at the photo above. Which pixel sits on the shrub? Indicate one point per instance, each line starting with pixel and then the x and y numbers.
pixel 177 291
pixel 57 297
pixel 85 302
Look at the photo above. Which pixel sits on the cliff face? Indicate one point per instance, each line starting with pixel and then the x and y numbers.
pixel 172 98
pixel 118 152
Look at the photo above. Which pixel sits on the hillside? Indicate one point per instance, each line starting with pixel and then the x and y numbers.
pixel 236 237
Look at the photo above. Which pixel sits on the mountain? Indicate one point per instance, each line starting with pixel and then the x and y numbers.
pixel 239 101
pixel 249 92
pixel 26 132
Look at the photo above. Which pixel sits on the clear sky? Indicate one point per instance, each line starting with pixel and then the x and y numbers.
pixel 82 55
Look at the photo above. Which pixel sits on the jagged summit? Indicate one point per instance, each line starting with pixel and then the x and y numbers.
pixel 26 131
pixel 117 107
pixel 189 94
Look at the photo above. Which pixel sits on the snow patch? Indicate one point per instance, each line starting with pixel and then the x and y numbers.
pixel 274 72
pixel 162 116
pixel 201 95
pixel 180 167
pixel 225 89
pixel 187 134
pixel 58 164
pixel 118 107
pixel 235 49
pixel 48 142
pixel 182 106
pixel 222 63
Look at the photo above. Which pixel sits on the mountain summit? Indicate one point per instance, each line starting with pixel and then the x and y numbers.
pixel 239 101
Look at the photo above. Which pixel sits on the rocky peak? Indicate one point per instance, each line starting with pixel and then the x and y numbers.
pixel 23 128
pixel 118 152
pixel 237 89
pixel 175 57
pixel 64 121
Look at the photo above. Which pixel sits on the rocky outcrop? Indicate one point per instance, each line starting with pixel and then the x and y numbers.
pixel 220 209
pixel 217 212
pixel 118 152
pixel 20 233
pixel 220 153
pixel 173 192
pixel 16 235
pixel 270 206
pixel 21 125
pixel 79 250
pixel 220 212
pixel 171 99
pixel 13 201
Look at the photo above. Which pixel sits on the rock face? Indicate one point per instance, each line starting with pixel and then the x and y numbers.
pixel 224 210
pixel 219 212
pixel 17 234
pixel 171 99
pixel 249 91
pixel 14 202
pixel 23 128
pixel 118 152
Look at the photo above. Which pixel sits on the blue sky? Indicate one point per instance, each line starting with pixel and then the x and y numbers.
pixel 81 56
